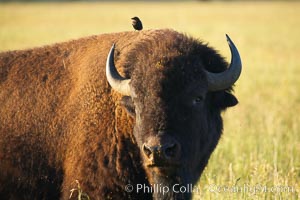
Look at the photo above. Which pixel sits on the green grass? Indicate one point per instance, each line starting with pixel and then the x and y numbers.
pixel 261 143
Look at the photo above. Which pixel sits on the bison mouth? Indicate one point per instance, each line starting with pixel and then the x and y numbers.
pixel 163 167
pixel 162 163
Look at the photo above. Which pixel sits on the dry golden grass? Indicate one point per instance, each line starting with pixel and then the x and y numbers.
pixel 259 151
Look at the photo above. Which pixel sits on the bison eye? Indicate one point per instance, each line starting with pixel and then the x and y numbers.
pixel 127 102
pixel 198 100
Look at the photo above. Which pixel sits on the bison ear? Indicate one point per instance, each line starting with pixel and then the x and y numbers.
pixel 223 100
pixel 127 103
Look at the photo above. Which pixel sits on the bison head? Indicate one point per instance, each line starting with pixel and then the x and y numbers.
pixel 177 89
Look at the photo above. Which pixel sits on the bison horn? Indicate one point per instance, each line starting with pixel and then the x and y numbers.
pixel 223 80
pixel 116 81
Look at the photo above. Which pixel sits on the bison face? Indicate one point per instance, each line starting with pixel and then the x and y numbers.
pixel 176 103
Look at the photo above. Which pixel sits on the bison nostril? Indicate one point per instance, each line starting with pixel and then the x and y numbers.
pixel 147 151
pixel 170 151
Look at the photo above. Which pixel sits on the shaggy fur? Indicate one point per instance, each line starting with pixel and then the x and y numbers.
pixel 60 121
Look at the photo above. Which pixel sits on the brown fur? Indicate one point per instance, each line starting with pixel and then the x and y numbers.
pixel 60 121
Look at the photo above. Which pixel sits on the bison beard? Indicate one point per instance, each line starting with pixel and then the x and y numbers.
pixel 151 115
pixel 163 181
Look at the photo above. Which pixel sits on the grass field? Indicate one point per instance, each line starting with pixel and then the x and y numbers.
pixel 258 156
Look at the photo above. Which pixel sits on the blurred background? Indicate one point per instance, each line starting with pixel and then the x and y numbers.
pixel 260 146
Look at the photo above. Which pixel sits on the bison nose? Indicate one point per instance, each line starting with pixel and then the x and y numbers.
pixel 162 153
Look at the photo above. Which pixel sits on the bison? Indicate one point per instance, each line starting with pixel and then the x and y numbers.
pixel 127 123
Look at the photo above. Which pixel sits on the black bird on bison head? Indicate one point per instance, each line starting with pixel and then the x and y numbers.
pixel 137 24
